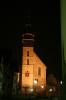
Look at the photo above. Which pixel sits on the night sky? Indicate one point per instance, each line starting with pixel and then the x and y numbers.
pixel 45 21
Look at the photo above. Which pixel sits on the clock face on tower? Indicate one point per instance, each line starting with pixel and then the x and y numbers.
pixel 27 73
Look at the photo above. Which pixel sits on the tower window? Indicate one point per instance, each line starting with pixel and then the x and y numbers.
pixel 27 61
pixel 39 71
pixel 27 53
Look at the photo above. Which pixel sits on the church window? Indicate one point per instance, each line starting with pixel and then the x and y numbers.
pixel 27 74
pixel 27 53
pixel 27 61
pixel 39 71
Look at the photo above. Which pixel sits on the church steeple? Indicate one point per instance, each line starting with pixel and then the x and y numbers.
pixel 28 36
pixel 27 21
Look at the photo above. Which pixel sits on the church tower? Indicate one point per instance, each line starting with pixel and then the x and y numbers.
pixel 33 70
pixel 27 60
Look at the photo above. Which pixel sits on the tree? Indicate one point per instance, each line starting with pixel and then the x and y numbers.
pixel 7 66
pixel 51 80
pixel 51 85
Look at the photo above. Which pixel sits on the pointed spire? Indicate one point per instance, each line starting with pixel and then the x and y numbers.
pixel 27 21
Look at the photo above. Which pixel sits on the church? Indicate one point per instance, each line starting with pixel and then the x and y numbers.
pixel 32 72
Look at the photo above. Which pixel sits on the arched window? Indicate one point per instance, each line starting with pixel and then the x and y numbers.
pixel 27 61
pixel 39 71
pixel 27 53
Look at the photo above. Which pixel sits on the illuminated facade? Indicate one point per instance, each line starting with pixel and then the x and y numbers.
pixel 33 70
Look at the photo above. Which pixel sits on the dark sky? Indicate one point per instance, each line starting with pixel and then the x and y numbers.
pixel 45 21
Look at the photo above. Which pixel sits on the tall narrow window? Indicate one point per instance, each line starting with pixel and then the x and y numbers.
pixel 27 53
pixel 39 71
pixel 27 61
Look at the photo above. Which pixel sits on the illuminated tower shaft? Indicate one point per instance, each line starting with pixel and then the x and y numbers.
pixel 27 61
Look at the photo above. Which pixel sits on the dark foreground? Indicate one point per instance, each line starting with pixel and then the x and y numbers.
pixel 30 98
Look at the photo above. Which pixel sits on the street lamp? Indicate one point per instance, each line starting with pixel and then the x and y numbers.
pixel 61 87
pixel 50 90
pixel 42 87
pixel 35 84
pixel 61 82
pixel 31 90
